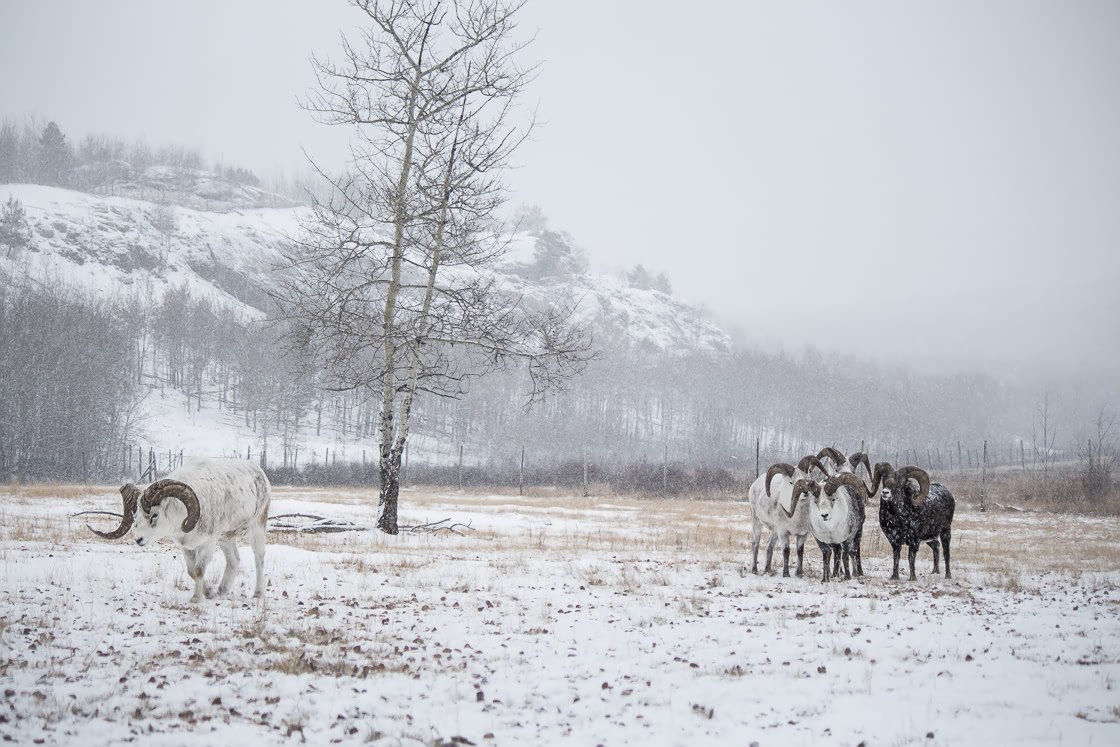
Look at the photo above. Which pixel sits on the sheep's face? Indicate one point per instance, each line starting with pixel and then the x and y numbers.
pixel 163 520
pixel 895 489
pixel 887 492
pixel 824 505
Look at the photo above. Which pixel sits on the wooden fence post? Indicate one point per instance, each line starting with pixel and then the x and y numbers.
pixel 984 477
pixel 665 472
pixel 757 445
pixel 521 474
pixel 586 492
pixel 960 462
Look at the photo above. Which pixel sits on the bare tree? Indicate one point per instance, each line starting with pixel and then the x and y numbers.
pixel 1044 451
pixel 165 221
pixel 392 285
pixel 1099 458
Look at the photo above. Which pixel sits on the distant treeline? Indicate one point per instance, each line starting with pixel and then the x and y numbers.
pixel 640 477
pixel 75 369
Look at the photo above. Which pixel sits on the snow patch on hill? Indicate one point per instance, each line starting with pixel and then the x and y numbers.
pixel 111 246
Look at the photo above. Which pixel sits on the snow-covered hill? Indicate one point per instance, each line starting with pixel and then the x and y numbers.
pixel 120 246
pixel 114 245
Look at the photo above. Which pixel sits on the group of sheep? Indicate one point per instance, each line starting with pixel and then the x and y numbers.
pixel 789 502
pixel 208 503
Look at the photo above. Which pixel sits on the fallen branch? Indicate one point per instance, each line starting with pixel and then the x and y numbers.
pixel 323 525
pixel 314 525
pixel 91 513
pixel 94 513
pixel 435 526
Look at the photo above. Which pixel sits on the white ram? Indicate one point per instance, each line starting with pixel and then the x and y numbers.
pixel 836 513
pixel 768 495
pixel 215 501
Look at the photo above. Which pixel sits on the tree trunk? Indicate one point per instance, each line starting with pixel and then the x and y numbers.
pixel 390 489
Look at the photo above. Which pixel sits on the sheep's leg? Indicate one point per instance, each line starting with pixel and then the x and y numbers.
pixel 912 554
pixel 801 552
pixel 836 549
pixel 847 552
pixel 896 550
pixel 756 538
pixel 936 546
pixel 826 551
pixel 785 555
pixel 233 561
pixel 946 536
pixel 770 551
pixel 858 562
pixel 256 539
pixel 196 560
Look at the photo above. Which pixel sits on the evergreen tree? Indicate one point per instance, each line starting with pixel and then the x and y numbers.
pixel 54 156
pixel 555 258
pixel 9 153
pixel 639 278
pixel 15 233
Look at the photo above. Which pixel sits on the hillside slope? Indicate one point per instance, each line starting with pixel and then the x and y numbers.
pixel 114 247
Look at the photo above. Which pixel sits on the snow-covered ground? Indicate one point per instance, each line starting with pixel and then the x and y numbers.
pixel 555 619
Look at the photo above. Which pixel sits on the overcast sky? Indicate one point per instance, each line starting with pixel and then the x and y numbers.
pixel 934 180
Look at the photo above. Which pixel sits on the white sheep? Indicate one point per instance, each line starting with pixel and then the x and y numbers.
pixel 768 495
pixel 836 515
pixel 215 502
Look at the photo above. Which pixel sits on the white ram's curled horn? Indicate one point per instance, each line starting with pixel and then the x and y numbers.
pixel 836 457
pixel 801 486
pixel 780 468
pixel 129 494
pixel 808 462
pixel 846 478
pixel 158 491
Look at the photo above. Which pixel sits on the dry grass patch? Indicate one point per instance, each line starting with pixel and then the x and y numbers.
pixel 22 528
pixel 1013 487
pixel 68 491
